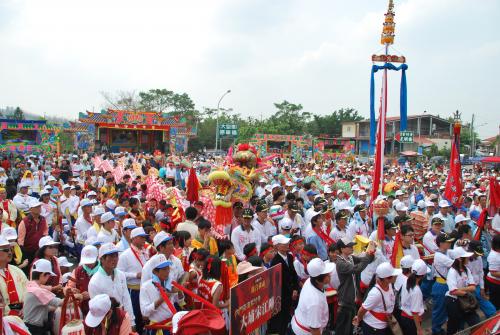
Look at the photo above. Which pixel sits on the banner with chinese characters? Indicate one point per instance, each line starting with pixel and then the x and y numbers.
pixel 255 300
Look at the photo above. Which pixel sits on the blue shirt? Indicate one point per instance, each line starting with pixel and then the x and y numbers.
pixel 320 245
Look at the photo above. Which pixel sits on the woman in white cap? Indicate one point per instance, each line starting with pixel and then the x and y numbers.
pixel 157 298
pixel 39 301
pixel 81 275
pixel 311 314
pixel 108 234
pixel 379 304
pixel 105 316
pixel 96 225
pixel 460 282
pixel 412 301
pixel 48 251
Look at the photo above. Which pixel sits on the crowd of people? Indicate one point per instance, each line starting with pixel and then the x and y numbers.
pixel 136 263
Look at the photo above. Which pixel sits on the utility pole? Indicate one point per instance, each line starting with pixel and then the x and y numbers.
pixel 471 136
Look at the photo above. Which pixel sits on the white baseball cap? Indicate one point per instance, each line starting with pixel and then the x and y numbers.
pixel 407 261
pixel 46 241
pixel 108 249
pixel 63 261
pixel 280 239
pixel 85 202
pixel 399 192
pixel 160 262
pixel 139 231
pixel 9 233
pixel 34 204
pixel 111 204
pixel 317 267
pixel 51 178
pixel 43 266
pixel 44 192
pixel 23 184
pixel 91 193
pixel 361 192
pixel 444 203
pixel 4 241
pixel 98 211
pixel 120 211
pixel 129 224
pixel 108 216
pixel 401 207
pixel 460 218
pixel 355 187
pixel 385 270
pixel 459 252
pixel 327 190
pixel 89 255
pixel 99 306
pixel 65 186
pixel 420 268
pixel 421 204
pixel 161 237
pixel 429 204
pixel 286 223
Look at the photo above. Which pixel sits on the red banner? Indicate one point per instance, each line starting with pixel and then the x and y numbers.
pixel 453 188
pixel 255 300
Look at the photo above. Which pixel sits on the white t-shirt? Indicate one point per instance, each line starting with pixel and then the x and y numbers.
pixel 429 242
pixel 375 303
pixel 493 263
pixel 312 310
pixel 441 264
pixel 456 280
pixel 412 302
pixel 413 252
pixel 400 282
pixel 334 276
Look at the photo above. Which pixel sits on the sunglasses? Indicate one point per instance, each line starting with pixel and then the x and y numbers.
pixel 6 249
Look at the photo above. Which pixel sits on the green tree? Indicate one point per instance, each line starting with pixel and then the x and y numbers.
pixel 331 124
pixel 18 114
pixel 166 101
pixel 288 119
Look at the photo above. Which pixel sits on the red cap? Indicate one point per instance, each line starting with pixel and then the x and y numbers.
pixel 199 321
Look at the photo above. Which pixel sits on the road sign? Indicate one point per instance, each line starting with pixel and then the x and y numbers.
pixel 406 137
pixel 228 130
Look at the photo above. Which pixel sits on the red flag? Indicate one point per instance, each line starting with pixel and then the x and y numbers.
pixel 397 251
pixel 192 186
pixel 480 223
pixel 494 195
pixel 453 188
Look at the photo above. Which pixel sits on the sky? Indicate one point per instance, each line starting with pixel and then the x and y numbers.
pixel 58 55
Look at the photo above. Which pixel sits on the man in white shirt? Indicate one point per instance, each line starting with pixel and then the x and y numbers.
pixel 260 189
pixel 407 241
pixel 156 296
pixel 84 222
pixel 22 200
pixel 244 234
pixel 111 281
pixel 131 263
pixel 429 239
pixel 262 223
pixel 444 214
pixel 164 243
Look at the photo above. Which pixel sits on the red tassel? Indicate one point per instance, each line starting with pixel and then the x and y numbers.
pixel 380 229
pixel 193 186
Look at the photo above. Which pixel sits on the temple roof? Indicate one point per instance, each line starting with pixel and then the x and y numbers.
pixel 139 118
